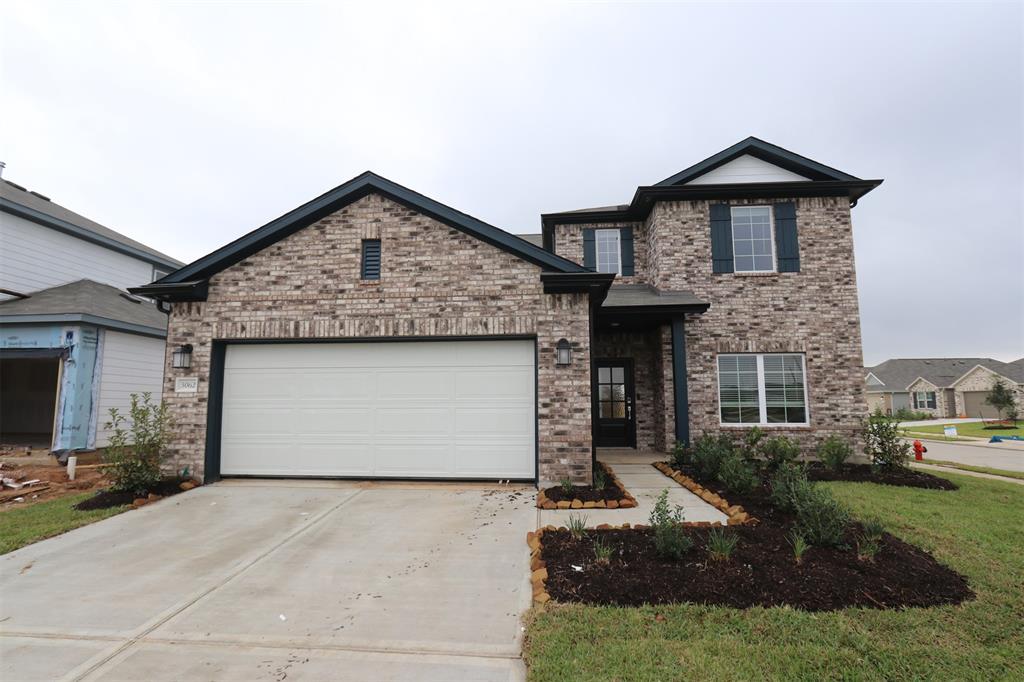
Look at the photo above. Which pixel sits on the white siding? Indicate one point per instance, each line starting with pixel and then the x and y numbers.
pixel 746 168
pixel 33 257
pixel 131 364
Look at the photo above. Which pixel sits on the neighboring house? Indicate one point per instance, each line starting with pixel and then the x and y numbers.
pixel 73 342
pixel 940 387
pixel 374 332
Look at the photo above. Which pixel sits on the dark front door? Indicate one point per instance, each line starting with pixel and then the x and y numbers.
pixel 616 413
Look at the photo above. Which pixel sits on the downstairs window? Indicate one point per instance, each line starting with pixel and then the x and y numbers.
pixel 762 389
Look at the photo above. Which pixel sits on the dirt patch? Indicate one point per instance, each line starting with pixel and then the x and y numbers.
pixel 587 493
pixel 109 498
pixel 866 473
pixel 760 572
pixel 53 483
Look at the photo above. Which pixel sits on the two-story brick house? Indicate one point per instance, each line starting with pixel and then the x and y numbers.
pixel 722 297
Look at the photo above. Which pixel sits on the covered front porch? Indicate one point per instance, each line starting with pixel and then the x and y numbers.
pixel 639 385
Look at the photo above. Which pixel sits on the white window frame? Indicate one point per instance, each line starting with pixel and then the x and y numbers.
pixel 923 404
pixel 618 249
pixel 761 396
pixel 771 240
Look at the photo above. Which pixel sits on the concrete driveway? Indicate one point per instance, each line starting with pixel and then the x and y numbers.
pixel 274 581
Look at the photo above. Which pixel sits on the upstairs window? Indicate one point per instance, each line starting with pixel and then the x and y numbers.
pixel 924 400
pixel 609 251
pixel 752 241
pixel 370 268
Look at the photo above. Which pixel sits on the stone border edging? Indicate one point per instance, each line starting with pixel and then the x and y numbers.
pixel 627 501
pixel 737 516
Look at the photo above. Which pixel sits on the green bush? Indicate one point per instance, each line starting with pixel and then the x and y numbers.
pixel 681 455
pixel 721 544
pixel 137 445
pixel 600 478
pixel 787 485
pixel 834 451
pixel 737 474
pixel 670 540
pixel 751 442
pixel 778 451
pixel 709 452
pixel 883 444
pixel 905 414
pixel 602 551
pixel 577 525
pixel 821 518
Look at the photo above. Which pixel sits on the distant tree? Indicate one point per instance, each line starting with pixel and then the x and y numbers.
pixel 1001 397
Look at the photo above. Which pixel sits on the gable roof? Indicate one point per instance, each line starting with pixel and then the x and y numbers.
pixel 337 198
pixel 899 373
pixel 87 302
pixel 766 151
pixel 16 200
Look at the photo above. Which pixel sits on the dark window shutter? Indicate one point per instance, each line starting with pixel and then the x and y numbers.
pixel 721 238
pixel 589 250
pixel 371 259
pixel 787 247
pixel 626 248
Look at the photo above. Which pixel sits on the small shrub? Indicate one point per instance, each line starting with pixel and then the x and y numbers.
pixel 721 544
pixel 670 539
pixel 577 526
pixel 873 528
pixel 905 414
pixel 867 547
pixel 821 518
pixel 600 478
pixel 799 544
pixel 787 485
pixel 567 486
pixel 751 442
pixel 681 455
pixel 883 443
pixel 137 444
pixel 709 452
pixel 602 551
pixel 834 451
pixel 737 474
pixel 778 451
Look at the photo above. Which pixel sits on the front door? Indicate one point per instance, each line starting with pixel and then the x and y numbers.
pixel 616 413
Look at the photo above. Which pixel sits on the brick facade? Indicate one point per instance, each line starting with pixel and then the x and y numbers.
pixel 569 244
pixel 644 348
pixel 982 379
pixel 436 281
pixel 943 398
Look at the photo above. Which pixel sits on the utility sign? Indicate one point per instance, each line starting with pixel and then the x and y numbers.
pixel 186 384
pixel 949 431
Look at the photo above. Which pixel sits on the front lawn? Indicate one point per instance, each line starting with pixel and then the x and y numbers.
pixel 975 429
pixel 20 527
pixel 974 530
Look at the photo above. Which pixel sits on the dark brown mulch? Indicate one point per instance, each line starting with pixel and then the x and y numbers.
pixel 109 498
pixel 865 473
pixel 760 572
pixel 587 493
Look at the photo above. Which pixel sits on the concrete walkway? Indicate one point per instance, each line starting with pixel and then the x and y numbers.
pixel 645 483
pixel 296 580
pixel 962 472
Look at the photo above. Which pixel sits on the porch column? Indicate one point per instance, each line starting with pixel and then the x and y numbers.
pixel 679 387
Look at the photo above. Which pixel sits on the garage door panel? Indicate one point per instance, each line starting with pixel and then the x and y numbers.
pixel 410 409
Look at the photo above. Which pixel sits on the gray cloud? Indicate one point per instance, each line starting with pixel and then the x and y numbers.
pixel 186 126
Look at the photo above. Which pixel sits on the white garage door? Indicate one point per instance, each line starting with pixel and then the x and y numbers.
pixel 444 409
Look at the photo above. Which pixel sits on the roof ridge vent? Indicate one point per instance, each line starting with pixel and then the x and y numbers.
pixel 41 196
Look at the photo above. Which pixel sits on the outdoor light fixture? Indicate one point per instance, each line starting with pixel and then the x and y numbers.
pixel 181 358
pixel 563 353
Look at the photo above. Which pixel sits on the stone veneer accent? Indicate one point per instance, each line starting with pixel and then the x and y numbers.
pixel 435 281
pixel 814 311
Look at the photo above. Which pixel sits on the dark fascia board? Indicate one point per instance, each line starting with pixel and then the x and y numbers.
pixel 78 318
pixel 354 189
pixel 668 309
pixel 596 283
pixel 765 151
pixel 195 290
pixel 82 233
pixel 645 197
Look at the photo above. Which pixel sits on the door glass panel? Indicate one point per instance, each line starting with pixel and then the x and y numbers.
pixel 618 375
pixel 618 392
pixel 618 410
pixel 606 410
pixel 603 375
pixel 604 393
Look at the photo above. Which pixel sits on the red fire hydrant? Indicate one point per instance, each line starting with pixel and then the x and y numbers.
pixel 919 450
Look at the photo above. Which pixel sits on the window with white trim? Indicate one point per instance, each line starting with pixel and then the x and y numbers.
pixel 762 389
pixel 608 250
pixel 924 400
pixel 752 241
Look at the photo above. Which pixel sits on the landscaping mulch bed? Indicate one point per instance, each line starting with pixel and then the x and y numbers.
pixel 865 473
pixel 760 572
pixel 612 492
pixel 108 498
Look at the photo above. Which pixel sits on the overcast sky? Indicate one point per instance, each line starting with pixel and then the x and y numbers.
pixel 187 125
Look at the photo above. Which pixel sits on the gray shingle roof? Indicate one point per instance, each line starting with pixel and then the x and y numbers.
pixel 16 194
pixel 535 239
pixel 86 298
pixel 899 373
pixel 642 295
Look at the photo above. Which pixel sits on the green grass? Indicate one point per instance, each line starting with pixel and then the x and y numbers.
pixel 20 527
pixel 975 429
pixel 969 467
pixel 976 530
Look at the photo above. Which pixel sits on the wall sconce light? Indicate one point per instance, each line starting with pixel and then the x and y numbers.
pixel 563 353
pixel 181 358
